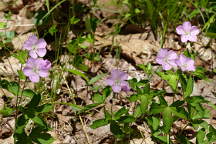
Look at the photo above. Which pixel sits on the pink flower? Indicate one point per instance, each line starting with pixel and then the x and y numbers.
pixel 117 81
pixel 167 58
pixel 187 32
pixel 185 63
pixel 36 68
pixel 35 46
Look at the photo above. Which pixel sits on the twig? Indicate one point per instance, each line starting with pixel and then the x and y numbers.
pixel 84 130
pixel 71 93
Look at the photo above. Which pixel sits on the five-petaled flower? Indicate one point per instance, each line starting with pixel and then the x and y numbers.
pixel 185 63
pixel 35 46
pixel 117 81
pixel 187 32
pixel 36 68
pixel 167 58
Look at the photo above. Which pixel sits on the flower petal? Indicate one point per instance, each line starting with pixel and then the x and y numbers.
pixel 41 52
pixel 125 86
pixel 123 76
pixel 180 30
pixel 34 78
pixel 162 53
pixel 192 38
pixel 27 46
pixel 194 30
pixel 184 38
pixel 28 71
pixel 109 82
pixel 33 54
pixel 186 26
pixel 166 67
pixel 41 43
pixel 43 73
pixel 116 88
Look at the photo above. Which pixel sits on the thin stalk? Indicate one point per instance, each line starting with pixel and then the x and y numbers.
pixel 52 9
pixel 84 130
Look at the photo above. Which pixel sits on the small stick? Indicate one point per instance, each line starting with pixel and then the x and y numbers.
pixel 84 130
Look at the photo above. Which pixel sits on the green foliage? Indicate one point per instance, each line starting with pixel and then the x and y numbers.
pixel 30 112
pixel 171 78
pixel 151 105
pixel 52 30
pixel 74 20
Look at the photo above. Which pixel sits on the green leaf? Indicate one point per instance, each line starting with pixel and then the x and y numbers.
pixel 167 119
pixel 28 93
pixel 155 109
pixel 120 112
pixel 200 73
pixel 3 25
pixel 89 107
pixel 45 108
pixel 211 34
pixel 21 56
pixel 146 68
pixel 212 134
pixel 39 121
pixel 91 23
pixel 52 30
pixel 154 122
pixel 99 123
pixel 162 100
pixel 96 78
pixel 21 75
pixel 78 63
pixel 116 129
pixel 183 80
pixel 201 137
pixel 13 87
pixel 189 87
pixel 39 135
pixel 74 20
pixel 77 72
pixel 171 78
pixel 177 103
pixel 137 112
pixel 144 103
pixel 160 136
pixel 108 116
pixel 34 101
pixel 134 97
pixel 179 112
pixel 45 138
pixel 97 98
pixel 74 107
pixel 4 84
pixel 126 119
pixel 106 91
pixel 73 47
pixel 183 139
pixel 6 111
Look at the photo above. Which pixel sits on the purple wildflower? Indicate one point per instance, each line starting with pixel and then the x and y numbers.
pixel 167 58
pixel 36 47
pixel 185 63
pixel 117 81
pixel 36 68
pixel 187 32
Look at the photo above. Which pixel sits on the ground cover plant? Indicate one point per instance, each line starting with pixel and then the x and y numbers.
pixel 107 72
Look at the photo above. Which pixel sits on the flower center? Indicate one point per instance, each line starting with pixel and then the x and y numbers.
pixel 117 82
pixel 185 65
pixel 34 47
pixel 35 69
pixel 187 33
